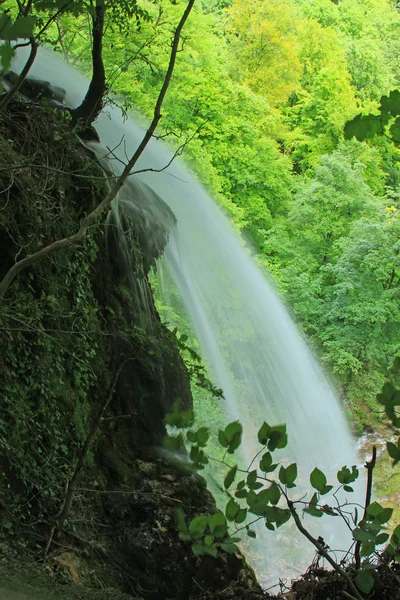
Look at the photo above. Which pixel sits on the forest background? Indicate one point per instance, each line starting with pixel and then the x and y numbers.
pixel 265 89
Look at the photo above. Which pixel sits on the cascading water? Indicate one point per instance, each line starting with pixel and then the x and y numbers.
pixel 253 349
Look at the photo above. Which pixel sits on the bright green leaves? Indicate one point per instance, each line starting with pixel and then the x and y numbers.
pixel 365 127
pixel 12 30
pixel 318 481
pixel 345 476
pixel 368 532
pixel 273 437
pixel 288 475
pixel 208 534
pixel 231 437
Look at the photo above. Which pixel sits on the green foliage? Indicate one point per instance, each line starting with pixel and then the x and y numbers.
pixel 267 498
pixel 207 533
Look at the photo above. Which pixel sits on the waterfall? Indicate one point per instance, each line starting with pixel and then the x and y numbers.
pixel 251 345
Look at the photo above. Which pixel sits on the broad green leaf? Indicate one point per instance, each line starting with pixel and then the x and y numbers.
pixel 365 580
pixel 364 127
pixel 251 533
pixel 199 549
pixel 202 436
pixel 218 525
pixel 241 516
pixel 288 475
pixel 277 437
pixel 191 436
pixel 361 536
pixel 318 479
pixel 367 548
pixel 263 433
pixel 6 56
pixel 228 547
pixel 198 525
pixel 231 509
pixel 394 452
pixel 274 493
pixel 391 104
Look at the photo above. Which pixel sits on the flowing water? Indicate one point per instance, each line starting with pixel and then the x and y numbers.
pixel 252 347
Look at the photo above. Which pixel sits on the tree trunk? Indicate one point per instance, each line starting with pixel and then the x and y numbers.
pixel 92 104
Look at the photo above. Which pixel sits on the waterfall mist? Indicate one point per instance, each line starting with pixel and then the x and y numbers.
pixel 251 345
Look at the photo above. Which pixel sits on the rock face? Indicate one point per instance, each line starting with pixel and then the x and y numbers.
pixel 67 324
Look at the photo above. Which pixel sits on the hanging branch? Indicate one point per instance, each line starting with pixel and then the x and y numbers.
pixel 93 217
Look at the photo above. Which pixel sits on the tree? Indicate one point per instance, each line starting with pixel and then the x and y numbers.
pixel 98 212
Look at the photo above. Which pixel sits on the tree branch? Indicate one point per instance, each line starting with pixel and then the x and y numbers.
pixel 21 78
pixel 369 465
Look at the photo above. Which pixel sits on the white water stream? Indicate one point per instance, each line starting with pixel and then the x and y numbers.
pixel 252 347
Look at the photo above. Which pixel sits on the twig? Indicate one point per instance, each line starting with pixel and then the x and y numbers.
pixel 369 465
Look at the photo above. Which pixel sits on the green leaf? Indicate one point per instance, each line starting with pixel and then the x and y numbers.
pixel 231 509
pixel 394 452
pixel 274 493
pixel 364 127
pixel 182 527
pixel 265 462
pixel 202 436
pixel 382 538
pixel 191 436
pixel 395 539
pixel 395 130
pixel 376 512
pixel 346 476
pixel 228 547
pixel 198 525
pixel 391 104
pixel 199 549
pixel 251 533
pixel 6 56
pixel 365 580
pixel 22 28
pixel 218 525
pixel 288 475
pixel 367 548
pixel 208 540
pixel 223 440
pixel 361 536
pixel 277 437
pixel 230 477
pixel 263 433
pixel 318 479
pixel 241 516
